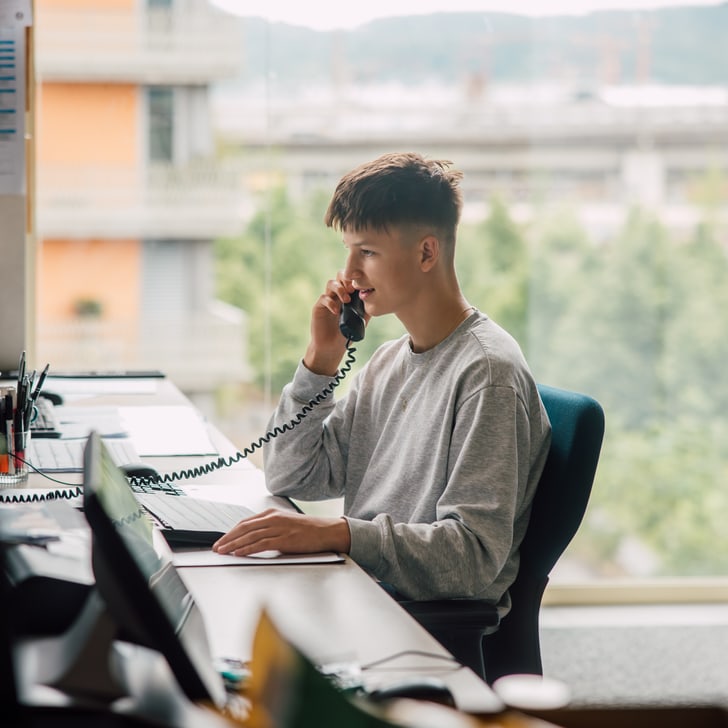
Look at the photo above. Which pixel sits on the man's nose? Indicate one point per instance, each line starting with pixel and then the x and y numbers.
pixel 350 269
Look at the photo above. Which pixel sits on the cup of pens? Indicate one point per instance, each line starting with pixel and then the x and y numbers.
pixel 17 412
pixel 14 438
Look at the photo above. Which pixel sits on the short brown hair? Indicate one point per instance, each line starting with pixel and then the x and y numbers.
pixel 398 189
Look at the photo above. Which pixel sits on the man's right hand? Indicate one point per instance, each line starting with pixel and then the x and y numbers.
pixel 327 344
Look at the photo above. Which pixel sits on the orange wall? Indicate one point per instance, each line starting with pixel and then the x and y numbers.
pixel 104 270
pixel 83 126
pixel 88 124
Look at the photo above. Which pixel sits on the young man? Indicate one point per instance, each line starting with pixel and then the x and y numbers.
pixel 438 446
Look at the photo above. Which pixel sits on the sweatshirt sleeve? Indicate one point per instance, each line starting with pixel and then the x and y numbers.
pixel 309 461
pixel 471 549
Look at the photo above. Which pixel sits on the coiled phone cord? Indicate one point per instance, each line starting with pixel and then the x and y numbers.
pixel 226 462
pixel 221 462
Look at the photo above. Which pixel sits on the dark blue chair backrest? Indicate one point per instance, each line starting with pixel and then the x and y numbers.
pixel 577 430
pixel 577 427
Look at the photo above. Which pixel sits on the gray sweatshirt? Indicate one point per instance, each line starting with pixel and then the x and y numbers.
pixel 437 456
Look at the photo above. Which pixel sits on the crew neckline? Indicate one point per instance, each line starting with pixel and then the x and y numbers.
pixel 422 355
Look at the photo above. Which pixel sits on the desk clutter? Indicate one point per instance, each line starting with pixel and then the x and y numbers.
pixel 45 424
pixel 18 410
pixel 73 575
pixel 97 613
pixel 57 444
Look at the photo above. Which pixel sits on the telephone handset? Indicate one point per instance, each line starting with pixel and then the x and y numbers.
pixel 351 318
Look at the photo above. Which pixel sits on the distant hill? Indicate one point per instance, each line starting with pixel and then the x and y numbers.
pixel 681 45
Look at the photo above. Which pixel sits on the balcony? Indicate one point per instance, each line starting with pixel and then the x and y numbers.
pixel 199 352
pixel 195 44
pixel 199 201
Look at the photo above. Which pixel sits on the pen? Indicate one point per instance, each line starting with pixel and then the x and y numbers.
pixel 3 440
pixel 10 433
pixel 19 426
pixel 27 411
pixel 41 382
pixel 21 396
pixel 21 368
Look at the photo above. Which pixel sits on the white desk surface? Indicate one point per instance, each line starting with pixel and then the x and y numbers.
pixel 332 612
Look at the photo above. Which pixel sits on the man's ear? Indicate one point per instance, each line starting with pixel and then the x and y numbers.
pixel 429 252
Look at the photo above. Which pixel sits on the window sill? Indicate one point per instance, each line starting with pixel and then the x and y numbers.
pixel 638 591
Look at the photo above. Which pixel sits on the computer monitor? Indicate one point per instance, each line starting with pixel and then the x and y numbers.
pixel 138 582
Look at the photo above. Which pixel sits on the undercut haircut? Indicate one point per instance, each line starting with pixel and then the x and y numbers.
pixel 397 190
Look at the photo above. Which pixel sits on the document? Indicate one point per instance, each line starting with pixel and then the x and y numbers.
pixel 77 422
pixel 167 431
pixel 39 522
pixel 70 388
pixel 241 495
pixel 197 557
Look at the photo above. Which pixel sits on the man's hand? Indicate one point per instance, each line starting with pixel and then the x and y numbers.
pixel 327 345
pixel 290 533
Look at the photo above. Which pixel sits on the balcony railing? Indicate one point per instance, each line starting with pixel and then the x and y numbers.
pixel 194 202
pixel 199 353
pixel 186 45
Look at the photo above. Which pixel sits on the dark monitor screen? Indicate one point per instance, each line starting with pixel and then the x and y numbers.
pixel 137 580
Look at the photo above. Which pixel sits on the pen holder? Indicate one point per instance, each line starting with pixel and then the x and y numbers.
pixel 14 451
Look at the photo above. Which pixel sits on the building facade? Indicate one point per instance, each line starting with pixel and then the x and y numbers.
pixel 129 195
pixel 600 154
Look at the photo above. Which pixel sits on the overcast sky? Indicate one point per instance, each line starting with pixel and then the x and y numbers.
pixel 328 14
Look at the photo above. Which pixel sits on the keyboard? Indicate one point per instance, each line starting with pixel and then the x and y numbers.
pixel 188 521
pixel 152 487
pixel 66 456
pixel 45 424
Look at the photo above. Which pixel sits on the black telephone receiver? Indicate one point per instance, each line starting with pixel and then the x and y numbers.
pixel 351 318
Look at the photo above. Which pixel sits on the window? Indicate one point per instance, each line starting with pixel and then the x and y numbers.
pixel 161 124
pixel 184 166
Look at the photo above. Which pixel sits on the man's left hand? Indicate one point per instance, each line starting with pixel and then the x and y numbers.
pixel 287 532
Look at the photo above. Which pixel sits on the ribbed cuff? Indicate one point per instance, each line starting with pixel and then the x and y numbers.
pixel 366 543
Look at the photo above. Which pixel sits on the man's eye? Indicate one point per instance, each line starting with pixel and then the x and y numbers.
pixel 367 253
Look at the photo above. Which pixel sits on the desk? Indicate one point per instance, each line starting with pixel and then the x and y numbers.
pixel 333 612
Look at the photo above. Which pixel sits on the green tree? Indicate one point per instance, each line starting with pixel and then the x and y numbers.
pixel 561 280
pixel 493 268
pixel 696 342
pixel 618 323
pixel 275 271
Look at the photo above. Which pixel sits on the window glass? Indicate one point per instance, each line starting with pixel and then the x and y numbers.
pixel 161 124
pixel 186 156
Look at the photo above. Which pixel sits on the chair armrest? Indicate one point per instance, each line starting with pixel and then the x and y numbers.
pixel 460 625
pixel 465 614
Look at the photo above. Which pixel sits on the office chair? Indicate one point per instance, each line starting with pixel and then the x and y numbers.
pixel 469 628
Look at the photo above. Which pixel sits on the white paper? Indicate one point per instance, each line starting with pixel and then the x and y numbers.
pixel 167 431
pixel 77 422
pixel 207 557
pixel 93 386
